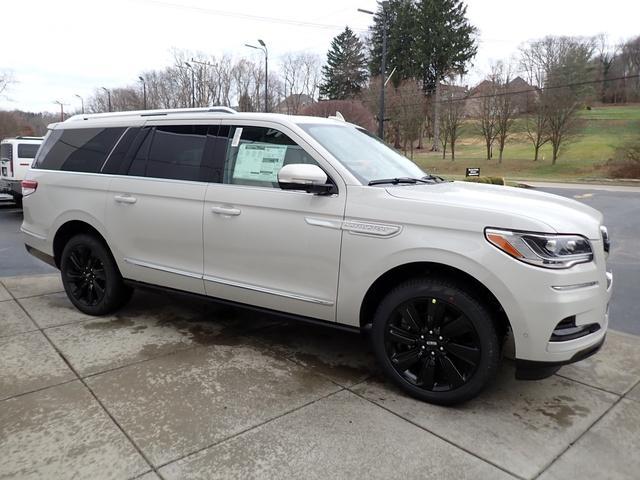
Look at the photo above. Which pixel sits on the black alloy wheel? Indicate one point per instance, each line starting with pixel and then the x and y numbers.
pixel 85 273
pixel 432 344
pixel 91 277
pixel 436 341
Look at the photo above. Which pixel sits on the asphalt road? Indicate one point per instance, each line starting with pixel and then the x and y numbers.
pixel 621 208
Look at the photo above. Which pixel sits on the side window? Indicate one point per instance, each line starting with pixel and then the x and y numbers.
pixel 78 150
pixel 27 150
pixel 173 152
pixel 256 154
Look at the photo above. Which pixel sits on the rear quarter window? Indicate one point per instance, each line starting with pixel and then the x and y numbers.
pixel 79 149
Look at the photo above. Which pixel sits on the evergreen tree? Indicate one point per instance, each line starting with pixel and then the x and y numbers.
pixel 346 70
pixel 426 39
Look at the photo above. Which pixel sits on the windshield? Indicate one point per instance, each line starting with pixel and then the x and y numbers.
pixel 362 153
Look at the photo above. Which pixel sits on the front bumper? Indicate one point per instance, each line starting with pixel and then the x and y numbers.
pixel 532 370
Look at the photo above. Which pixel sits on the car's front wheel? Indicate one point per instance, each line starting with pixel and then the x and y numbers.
pixel 91 277
pixel 435 341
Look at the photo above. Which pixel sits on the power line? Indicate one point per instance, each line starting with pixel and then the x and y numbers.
pixel 517 92
pixel 248 16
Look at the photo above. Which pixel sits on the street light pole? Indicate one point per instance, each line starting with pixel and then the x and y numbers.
pixel 144 92
pixel 108 98
pixel 61 109
pixel 263 49
pixel 81 101
pixel 383 66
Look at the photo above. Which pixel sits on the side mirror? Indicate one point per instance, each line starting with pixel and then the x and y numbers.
pixel 306 177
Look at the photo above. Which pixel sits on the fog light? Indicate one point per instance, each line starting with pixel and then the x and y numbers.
pixel 568 330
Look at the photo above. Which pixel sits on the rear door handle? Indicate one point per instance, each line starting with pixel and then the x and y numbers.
pixel 226 211
pixel 125 199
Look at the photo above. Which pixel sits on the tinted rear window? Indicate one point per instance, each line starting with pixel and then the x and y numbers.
pixel 27 150
pixel 79 150
pixel 173 152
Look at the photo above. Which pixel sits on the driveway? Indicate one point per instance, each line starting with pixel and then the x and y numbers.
pixel 176 388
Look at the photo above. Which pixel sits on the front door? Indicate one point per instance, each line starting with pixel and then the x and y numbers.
pixel 277 249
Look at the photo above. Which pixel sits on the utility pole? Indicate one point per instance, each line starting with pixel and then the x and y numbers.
pixel 205 64
pixel 81 102
pixel 263 49
pixel 193 84
pixel 108 98
pixel 144 92
pixel 61 109
pixel 383 66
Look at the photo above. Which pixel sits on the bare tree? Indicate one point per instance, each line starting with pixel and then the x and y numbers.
pixel 6 79
pixel 505 105
pixel 451 116
pixel 561 66
pixel 410 106
pixel 301 76
pixel 486 113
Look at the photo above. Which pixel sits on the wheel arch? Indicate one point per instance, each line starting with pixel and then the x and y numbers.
pixel 70 229
pixel 396 275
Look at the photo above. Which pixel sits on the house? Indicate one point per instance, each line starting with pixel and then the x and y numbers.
pixel 524 95
pixel 293 104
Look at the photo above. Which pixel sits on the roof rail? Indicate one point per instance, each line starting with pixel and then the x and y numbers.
pixel 152 113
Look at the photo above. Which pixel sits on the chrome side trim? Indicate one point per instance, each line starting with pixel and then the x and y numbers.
pixel 31 234
pixel 321 222
pixel 162 268
pixel 565 288
pixel 370 229
pixel 223 281
pixel 269 291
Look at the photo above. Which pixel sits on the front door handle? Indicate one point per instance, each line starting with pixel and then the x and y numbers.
pixel 125 199
pixel 226 211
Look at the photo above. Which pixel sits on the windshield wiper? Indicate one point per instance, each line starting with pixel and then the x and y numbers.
pixel 397 180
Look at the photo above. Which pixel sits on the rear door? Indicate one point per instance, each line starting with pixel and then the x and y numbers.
pixel 154 209
pixel 26 152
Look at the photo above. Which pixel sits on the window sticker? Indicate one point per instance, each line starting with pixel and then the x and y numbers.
pixel 236 137
pixel 259 162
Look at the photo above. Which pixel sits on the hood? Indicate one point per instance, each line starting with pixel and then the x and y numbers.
pixel 492 203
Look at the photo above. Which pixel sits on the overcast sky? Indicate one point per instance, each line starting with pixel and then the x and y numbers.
pixel 57 48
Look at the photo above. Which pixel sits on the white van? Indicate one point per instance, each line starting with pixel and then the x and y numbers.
pixel 321 221
pixel 16 156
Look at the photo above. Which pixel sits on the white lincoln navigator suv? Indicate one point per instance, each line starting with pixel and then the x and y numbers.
pixel 320 220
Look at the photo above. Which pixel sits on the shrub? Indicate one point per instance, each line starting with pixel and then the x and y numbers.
pixel 626 161
pixel 491 180
pixel 353 111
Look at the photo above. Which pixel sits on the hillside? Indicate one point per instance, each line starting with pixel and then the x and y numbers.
pixel 601 131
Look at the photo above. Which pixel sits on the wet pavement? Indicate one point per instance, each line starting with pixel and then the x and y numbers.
pixel 175 388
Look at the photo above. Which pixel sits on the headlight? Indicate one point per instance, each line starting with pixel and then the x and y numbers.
pixel 540 249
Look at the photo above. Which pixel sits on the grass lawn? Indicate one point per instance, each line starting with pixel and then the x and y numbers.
pixel 584 157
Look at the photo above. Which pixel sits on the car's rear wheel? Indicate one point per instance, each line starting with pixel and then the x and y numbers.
pixel 435 341
pixel 91 277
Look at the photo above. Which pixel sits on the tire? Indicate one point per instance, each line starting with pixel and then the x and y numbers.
pixel 435 341
pixel 91 277
pixel 18 200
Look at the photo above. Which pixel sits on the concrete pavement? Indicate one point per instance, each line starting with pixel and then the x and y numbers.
pixel 173 388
